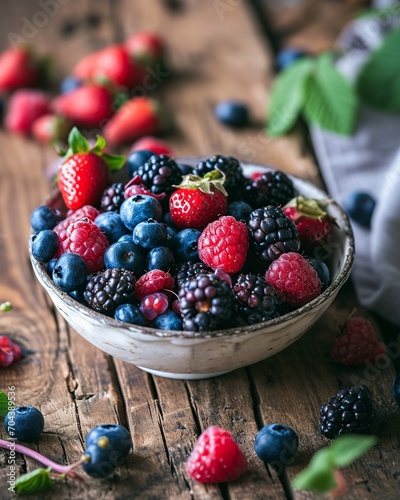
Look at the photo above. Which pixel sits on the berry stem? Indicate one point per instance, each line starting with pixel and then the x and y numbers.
pixel 62 469
pixel 287 488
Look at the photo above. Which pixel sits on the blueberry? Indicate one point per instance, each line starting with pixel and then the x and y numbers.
pixel 184 245
pixel 168 321
pixel 126 237
pixel 396 389
pixel 24 423
pixel 288 56
pixel 185 169
pixel 276 444
pixel 45 245
pixel 70 83
pixel 70 272
pixel 139 208
pixel 160 258
pixel 130 314
pixel 232 113
pixel 107 446
pixel 240 210
pixel 50 267
pixel 360 207
pixel 110 223
pixel 44 217
pixel 150 234
pixel 78 295
pixel 126 255
pixel 137 159
pixel 171 233
pixel 323 272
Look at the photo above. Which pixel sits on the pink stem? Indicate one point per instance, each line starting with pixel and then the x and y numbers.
pixel 62 469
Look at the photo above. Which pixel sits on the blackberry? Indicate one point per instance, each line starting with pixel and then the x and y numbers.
pixel 159 174
pixel 109 289
pixel 188 270
pixel 230 166
pixel 272 233
pixel 257 299
pixel 271 188
pixel 351 410
pixel 113 197
pixel 206 302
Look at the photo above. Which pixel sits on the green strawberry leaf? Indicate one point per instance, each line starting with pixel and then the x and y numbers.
pixel 36 481
pixel 346 449
pixel 318 479
pixel 287 97
pixel 378 82
pixel 99 146
pixel 4 404
pixel 6 306
pixel 114 162
pixel 77 142
pixel 331 102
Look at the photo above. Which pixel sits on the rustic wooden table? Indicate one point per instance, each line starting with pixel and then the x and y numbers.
pixel 218 49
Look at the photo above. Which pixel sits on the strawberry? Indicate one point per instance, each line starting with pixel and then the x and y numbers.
pixel 137 117
pixel 84 174
pixel 24 108
pixel 216 457
pixel 89 105
pixel 18 69
pixel 199 200
pixel 111 64
pixel 154 144
pixel 146 48
pixel 313 223
pixel 50 128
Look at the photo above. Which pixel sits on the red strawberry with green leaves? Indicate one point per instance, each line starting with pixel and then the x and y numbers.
pixel 87 106
pixel 85 172
pixel 146 48
pixel 136 118
pixel 18 68
pixel 312 221
pixel 24 108
pixel 199 200
pixel 50 128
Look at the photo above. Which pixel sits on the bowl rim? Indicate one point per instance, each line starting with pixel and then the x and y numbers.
pixel 332 289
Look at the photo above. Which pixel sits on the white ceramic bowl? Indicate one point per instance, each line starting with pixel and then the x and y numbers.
pixel 186 355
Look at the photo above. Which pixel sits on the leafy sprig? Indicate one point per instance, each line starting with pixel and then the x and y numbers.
pixel 4 404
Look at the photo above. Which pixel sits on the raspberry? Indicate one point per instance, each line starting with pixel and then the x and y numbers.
pixel 293 277
pixel 358 343
pixel 153 281
pixel 153 305
pixel 224 244
pixel 72 216
pixel 10 352
pixel 216 457
pixel 84 238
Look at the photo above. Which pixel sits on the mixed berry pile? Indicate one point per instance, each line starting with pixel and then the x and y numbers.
pixel 176 247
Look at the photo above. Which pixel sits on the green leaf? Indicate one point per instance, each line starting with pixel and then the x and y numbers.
pixel 378 82
pixel 115 162
pixel 36 481
pixel 379 13
pixel 77 143
pixel 319 479
pixel 4 404
pixel 99 146
pixel 346 449
pixel 6 306
pixel 287 97
pixel 331 101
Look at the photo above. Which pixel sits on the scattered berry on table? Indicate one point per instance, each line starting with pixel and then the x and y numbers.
pixel 230 167
pixel 360 206
pixel 276 444
pixel 313 223
pixel 271 233
pixel 396 389
pixel 269 188
pixel 10 352
pixel 109 289
pixel 24 423
pixel 257 300
pixel 153 281
pixel 126 255
pixel 146 48
pixel 136 159
pixel 206 303
pixel 288 56
pixel 70 272
pixel 44 217
pixel 113 197
pixel 70 83
pixel 160 174
pixel 86 239
pixel 116 434
pixel 185 245
pixel 50 129
pixel 160 258
pixel 169 320
pixel 24 108
pixel 223 244
pixel 232 113
pixel 150 234
pixel 154 144
pixel 216 457
pixel 110 223
pixel 44 245
pixel 198 201
pixel 130 313
pixel 295 280
pixel 358 343
pixel 18 68
pixel 139 208
pixel 351 410
pixel 153 305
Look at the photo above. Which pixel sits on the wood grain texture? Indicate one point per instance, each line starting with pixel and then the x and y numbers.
pixel 214 54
